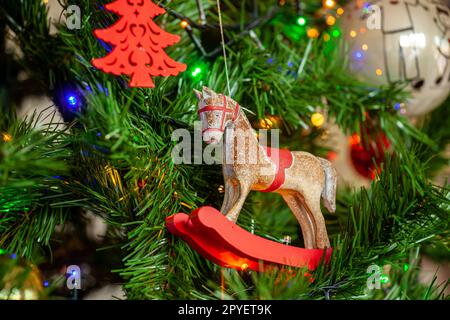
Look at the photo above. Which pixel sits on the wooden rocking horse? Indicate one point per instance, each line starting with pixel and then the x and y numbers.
pixel 299 177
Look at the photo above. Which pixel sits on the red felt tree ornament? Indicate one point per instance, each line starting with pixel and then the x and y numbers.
pixel 138 44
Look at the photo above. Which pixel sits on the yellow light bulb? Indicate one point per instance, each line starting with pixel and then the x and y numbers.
pixel 365 47
pixel 331 20
pixel 244 266
pixel 329 3
pixel 312 33
pixel 266 123
pixel 353 33
pixel 6 137
pixel 340 11
pixel 184 24
pixel 317 119
pixel 379 72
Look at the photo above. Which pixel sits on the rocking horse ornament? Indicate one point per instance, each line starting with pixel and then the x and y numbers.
pixel 299 177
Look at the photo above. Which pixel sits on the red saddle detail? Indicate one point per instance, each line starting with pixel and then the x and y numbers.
pixel 282 158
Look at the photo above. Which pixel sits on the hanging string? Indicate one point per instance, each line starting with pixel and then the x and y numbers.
pixel 223 47
pixel 225 55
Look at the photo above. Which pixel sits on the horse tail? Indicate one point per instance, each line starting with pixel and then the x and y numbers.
pixel 329 190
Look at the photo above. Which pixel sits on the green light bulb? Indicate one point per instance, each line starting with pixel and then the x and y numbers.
pixel 384 278
pixel 196 71
pixel 336 33
pixel 301 21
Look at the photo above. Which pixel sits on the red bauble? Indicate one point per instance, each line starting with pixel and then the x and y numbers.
pixel 138 44
pixel 368 152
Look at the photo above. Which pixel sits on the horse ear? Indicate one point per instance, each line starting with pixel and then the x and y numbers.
pixel 207 92
pixel 199 95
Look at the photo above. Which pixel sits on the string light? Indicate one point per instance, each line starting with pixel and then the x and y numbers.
pixel 379 72
pixel 326 37
pixel 355 139
pixel 313 33
pixel 336 33
pixel 196 72
pixel 184 24
pixel 340 11
pixel 72 100
pixel 400 107
pixel 244 266
pixel 266 123
pixel 365 47
pixel 221 189
pixel 6 137
pixel 384 278
pixel 358 55
pixel 405 267
pixel 353 33
pixel 329 3
pixel 317 119
pixel 301 21
pixel 366 6
pixel 331 20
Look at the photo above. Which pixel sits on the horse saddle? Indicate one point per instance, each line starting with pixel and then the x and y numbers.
pixel 283 159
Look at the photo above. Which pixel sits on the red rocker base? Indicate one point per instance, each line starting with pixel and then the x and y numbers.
pixel 223 242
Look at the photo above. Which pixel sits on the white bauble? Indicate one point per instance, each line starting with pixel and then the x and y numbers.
pixel 398 40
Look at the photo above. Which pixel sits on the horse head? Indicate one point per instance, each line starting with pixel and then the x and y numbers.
pixel 216 111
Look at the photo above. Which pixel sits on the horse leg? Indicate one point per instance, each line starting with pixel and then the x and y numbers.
pixel 294 203
pixel 233 213
pixel 312 206
pixel 230 196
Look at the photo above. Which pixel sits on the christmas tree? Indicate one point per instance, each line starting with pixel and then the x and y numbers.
pixel 138 42
pixel 89 176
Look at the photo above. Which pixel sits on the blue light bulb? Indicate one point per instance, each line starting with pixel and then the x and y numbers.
pixel 72 100
pixel 358 55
